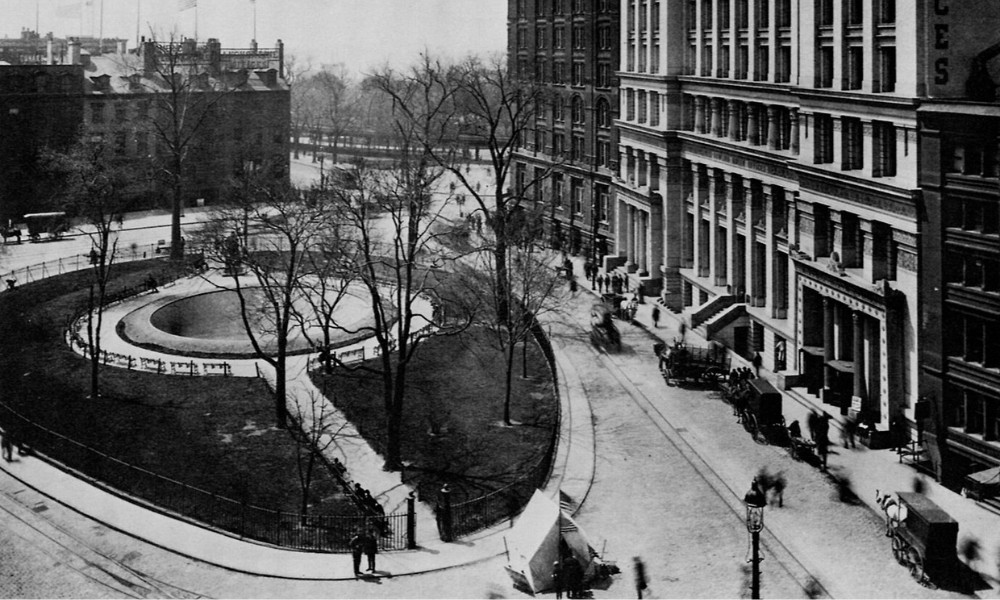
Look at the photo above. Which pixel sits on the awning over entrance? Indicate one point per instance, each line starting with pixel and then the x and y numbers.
pixel 841 366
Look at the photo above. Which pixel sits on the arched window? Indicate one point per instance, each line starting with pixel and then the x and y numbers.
pixel 578 111
pixel 603 114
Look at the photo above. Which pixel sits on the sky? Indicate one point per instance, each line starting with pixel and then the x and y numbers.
pixel 360 34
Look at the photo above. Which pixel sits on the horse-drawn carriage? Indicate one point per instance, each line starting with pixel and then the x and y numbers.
pixel 923 535
pixel 9 232
pixel 51 224
pixel 758 405
pixel 603 332
pixel 681 362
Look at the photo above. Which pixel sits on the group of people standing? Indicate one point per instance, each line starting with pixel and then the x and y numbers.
pixel 364 543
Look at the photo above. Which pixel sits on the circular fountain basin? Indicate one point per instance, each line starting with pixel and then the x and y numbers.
pixel 212 323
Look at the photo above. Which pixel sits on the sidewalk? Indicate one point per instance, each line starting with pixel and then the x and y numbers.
pixel 867 470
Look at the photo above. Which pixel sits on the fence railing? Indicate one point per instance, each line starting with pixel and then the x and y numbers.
pixel 327 533
pixel 68 264
pixel 505 503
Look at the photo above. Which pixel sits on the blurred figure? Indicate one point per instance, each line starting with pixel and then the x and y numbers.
pixel 640 576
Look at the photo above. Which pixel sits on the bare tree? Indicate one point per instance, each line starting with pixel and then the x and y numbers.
pixel 295 75
pixel 336 104
pixel 98 184
pixel 276 262
pixel 185 95
pixel 316 432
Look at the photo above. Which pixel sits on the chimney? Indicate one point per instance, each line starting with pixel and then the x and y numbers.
pixel 50 52
pixel 85 58
pixel 122 47
pixel 253 46
pixel 213 51
pixel 281 59
pixel 74 51
pixel 148 52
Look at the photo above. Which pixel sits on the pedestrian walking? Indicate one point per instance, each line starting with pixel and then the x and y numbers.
pixel 656 315
pixel 557 579
pixel 812 423
pixel 371 549
pixel 757 362
pixel 600 284
pixel 357 545
pixel 822 446
pixel 640 576
pixel 572 284
pixel 683 330
pixel 8 446
pixel 93 256
pixel 574 577
pixel 849 430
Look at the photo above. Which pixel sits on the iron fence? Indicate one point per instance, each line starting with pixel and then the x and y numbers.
pixel 288 529
pixel 69 264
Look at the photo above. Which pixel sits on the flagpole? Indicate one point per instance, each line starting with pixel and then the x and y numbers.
pixel 100 30
pixel 254 3
pixel 138 15
pixel 196 21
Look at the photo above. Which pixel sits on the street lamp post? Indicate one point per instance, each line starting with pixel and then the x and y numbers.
pixel 755 502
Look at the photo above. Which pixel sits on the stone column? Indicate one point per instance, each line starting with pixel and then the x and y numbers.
pixel 793 117
pixel 872 342
pixel 714 185
pixel 828 349
pixel 630 239
pixel 621 225
pixel 773 139
pixel 644 242
pixel 753 135
pixel 752 213
pixel 730 232
pixel 698 185
pixel 860 380
pixel 673 229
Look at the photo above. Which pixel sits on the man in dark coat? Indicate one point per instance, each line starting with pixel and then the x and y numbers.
pixel 357 544
pixel 371 549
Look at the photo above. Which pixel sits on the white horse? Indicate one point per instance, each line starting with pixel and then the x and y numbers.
pixel 895 513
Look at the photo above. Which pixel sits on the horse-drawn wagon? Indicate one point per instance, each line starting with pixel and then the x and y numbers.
pixel 923 535
pixel 603 332
pixel 681 362
pixel 758 405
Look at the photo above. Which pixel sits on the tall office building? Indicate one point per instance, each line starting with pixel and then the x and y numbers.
pixel 768 182
pixel 568 50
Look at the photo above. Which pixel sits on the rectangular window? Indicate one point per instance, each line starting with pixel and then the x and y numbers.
pixel 642 57
pixel 120 143
pixel 654 59
pixel 706 61
pixel 603 153
pixel 855 67
pixel 742 61
pixel 579 41
pixel 654 109
pixel 576 196
pixel 823 130
pixel 884 135
pixel 824 71
pixel 557 71
pixel 655 16
pixel 630 105
pixel 887 68
pixel 886 12
pixel 522 37
pixel 559 38
pixel 974 339
pixel 763 14
pixel 603 203
pixel 742 14
pixel 557 109
pixel 784 13
pixel 642 106
pixel 540 69
pixel 724 60
pixel 96 112
pixel 723 13
pixel 558 7
pixel 762 71
pixel 855 15
pixel 540 38
pixel 578 68
pixel 784 64
pixel 120 113
pixel 824 13
pixel 706 15
pixel 557 190
pixel 604 37
pixel 853 143
pixel 603 75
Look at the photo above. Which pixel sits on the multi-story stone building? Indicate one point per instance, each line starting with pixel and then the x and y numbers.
pixel 233 105
pixel 960 282
pixel 568 50
pixel 768 180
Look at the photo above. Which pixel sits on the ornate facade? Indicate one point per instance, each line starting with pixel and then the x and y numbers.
pixel 768 182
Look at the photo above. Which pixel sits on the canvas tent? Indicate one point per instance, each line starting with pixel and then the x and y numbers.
pixel 534 541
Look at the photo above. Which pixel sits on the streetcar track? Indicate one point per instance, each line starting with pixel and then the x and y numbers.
pixel 729 496
pixel 153 587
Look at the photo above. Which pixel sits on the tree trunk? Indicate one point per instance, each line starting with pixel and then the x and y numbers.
pixel 394 421
pixel 509 371
pixel 280 393
pixel 176 246
pixel 307 484
pixel 95 357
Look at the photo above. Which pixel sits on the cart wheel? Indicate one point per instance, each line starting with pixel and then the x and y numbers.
pixel 898 549
pixel 916 565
